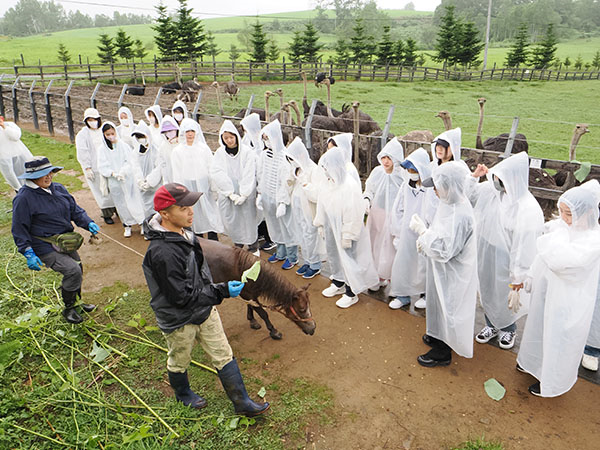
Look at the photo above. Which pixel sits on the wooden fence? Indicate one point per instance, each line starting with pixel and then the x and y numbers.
pixel 252 71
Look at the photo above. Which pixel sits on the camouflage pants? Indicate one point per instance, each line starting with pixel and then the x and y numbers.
pixel 211 336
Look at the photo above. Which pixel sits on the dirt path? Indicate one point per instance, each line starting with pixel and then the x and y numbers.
pixel 367 356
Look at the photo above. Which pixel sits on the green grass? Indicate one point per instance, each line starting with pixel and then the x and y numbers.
pixel 480 444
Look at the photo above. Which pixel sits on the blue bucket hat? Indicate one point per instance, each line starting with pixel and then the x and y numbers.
pixel 406 164
pixel 38 167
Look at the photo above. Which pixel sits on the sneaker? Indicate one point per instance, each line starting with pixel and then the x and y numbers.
pixel 333 290
pixel 421 303
pixel 399 302
pixel 127 232
pixel 486 334
pixel 520 369
pixel 346 301
pixel 535 389
pixel 274 258
pixel 287 265
pixel 256 253
pixel 590 362
pixel 302 270
pixel 268 246
pixel 507 339
pixel 142 230
pixel 108 220
pixel 310 273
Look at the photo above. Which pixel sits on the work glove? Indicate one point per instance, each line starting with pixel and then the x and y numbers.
pixel 280 211
pixel 89 174
pixel 240 200
pixel 346 243
pixel 143 185
pixel 259 202
pixel 118 176
pixel 234 198
pixel 93 228
pixel 367 204
pixel 417 225
pixel 514 300
pixel 33 262
pixel 396 243
pixel 419 246
pixel 235 287
pixel 527 284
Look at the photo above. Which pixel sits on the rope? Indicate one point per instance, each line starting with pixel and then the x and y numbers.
pixel 121 244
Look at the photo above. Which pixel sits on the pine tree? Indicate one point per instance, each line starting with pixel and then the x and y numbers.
pixel 272 51
pixel 385 48
pixel 578 62
pixel 123 45
pixel 234 53
pixel 63 54
pixel 191 39
pixel 359 45
pixel 106 49
pixel 410 52
pixel 165 34
pixel 212 49
pixel 342 52
pixel 596 60
pixel 258 42
pixel 399 52
pixel 469 44
pixel 139 51
pixel 519 53
pixel 445 45
pixel 567 62
pixel 296 48
pixel 310 43
pixel 543 54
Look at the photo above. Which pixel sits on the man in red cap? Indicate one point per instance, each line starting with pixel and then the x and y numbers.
pixel 184 296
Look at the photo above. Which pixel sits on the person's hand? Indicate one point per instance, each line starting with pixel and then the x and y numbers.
pixel 240 200
pixel 514 300
pixel 118 176
pixel 1 121
pixel 89 174
pixel 367 205
pixel 33 262
pixel 234 198
pixel 346 243
pixel 280 210
pixel 480 171
pixel 396 243
pixel 419 246
pixel 235 287
pixel 93 228
pixel 259 202
pixel 417 225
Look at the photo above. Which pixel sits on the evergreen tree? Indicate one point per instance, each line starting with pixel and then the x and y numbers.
pixel 596 60
pixel 578 62
pixel 310 43
pixel 212 48
pixel 410 52
pixel 296 48
pixel 139 51
pixel 258 42
pixel 519 53
pixel 385 48
pixel 191 39
pixel 469 44
pixel 234 53
pixel 342 51
pixel 272 51
pixel 445 45
pixel 399 52
pixel 359 44
pixel 567 62
pixel 123 45
pixel 543 54
pixel 63 54
pixel 106 49
pixel 165 35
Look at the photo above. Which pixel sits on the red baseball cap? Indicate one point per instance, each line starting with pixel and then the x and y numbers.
pixel 174 194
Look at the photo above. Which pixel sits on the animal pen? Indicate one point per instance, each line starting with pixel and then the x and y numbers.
pixel 58 106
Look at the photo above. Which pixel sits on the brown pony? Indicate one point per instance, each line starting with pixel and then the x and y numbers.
pixel 275 292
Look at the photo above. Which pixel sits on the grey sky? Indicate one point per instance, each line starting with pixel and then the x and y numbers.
pixel 228 7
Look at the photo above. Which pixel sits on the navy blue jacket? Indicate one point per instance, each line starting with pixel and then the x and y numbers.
pixel 39 213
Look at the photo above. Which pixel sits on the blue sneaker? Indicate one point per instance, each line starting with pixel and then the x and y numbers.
pixel 273 258
pixel 287 265
pixel 311 273
pixel 302 270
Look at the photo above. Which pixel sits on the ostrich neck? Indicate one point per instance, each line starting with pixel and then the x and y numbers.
pixel 480 125
pixel 298 118
pixel 329 113
pixel 447 123
pixel 573 146
pixel 267 109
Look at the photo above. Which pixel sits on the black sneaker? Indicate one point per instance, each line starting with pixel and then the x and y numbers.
pixel 535 389
pixel 108 220
pixel 268 246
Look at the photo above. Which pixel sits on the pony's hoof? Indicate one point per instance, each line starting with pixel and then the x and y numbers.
pixel 255 325
pixel 275 335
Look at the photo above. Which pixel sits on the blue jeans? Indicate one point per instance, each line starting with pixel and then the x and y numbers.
pixel 591 351
pixel 512 327
pixel 287 252
pixel 314 266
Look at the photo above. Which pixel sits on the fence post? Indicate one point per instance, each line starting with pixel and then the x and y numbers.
pixel 15 101
pixel 49 120
pixel 249 108
pixel 267 74
pixel 250 71
pixel 16 69
pixel 112 70
pixel 134 74
pixel 346 71
pixel 197 107
pixel 511 138
pixel 66 74
pixel 93 97
pixel 284 71
pixel 89 70
pixel 157 98
pixel 68 112
pixel 308 125
pixel 41 71
pixel 214 68
pixel 1 98
pixel 32 102
pixel 120 101
pixel 399 77
pixel 425 74
pixel 387 70
pixel 386 130
pixel 359 70
pixel 155 71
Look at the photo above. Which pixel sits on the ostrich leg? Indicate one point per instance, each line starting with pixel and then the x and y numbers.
pixel 216 86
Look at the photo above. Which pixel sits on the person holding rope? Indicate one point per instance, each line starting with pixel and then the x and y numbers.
pixel 184 299
pixel 41 227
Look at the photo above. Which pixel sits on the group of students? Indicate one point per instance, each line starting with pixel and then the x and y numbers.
pixel 434 233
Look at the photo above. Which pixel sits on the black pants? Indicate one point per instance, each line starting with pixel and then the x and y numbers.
pixel 338 283
pixel 210 235
pixel 440 350
pixel 107 213
pixel 263 231
pixel 251 247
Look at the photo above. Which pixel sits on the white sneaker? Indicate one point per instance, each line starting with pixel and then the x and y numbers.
pixel 397 303
pixel 421 303
pixel 142 230
pixel 127 232
pixel 256 253
pixel 346 302
pixel 590 362
pixel 507 339
pixel 486 334
pixel 333 290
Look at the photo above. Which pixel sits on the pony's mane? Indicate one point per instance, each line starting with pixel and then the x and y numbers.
pixel 274 289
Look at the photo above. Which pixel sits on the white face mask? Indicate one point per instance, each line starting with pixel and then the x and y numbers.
pixel 93 124
pixel 413 176
pixel 143 141
pixel 171 135
pixel 112 138
pixel 178 117
pixel 152 120
pixel 124 122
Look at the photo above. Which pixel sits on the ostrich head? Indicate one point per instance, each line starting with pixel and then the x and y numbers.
pixel 446 118
pixel 481 101
pixel 215 84
pixel 279 92
pixel 580 130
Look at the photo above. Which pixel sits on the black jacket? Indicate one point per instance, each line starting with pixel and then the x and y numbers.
pixel 179 279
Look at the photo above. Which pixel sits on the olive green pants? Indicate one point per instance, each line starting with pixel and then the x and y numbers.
pixel 211 336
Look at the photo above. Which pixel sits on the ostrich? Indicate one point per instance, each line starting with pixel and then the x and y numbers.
pixel 478 143
pixel 137 90
pixel 216 86
pixel 173 87
pixel 565 178
pixel 446 118
pixel 189 90
pixel 294 106
pixel 267 95
pixel 320 109
pixel 232 89
pixel 327 83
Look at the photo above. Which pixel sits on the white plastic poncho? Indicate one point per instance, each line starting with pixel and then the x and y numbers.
pixel 340 211
pixel 344 142
pixel 508 225
pixel 182 105
pixel 148 173
pixel 452 137
pixel 235 174
pixel 126 126
pixel 272 172
pixel 191 166
pixel 594 336
pixel 381 189
pixel 450 245
pixel 13 154
pixel 165 150
pixel 252 138
pixel 408 269
pixel 157 137
pixel 307 178
pixel 564 287
pixel 117 162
